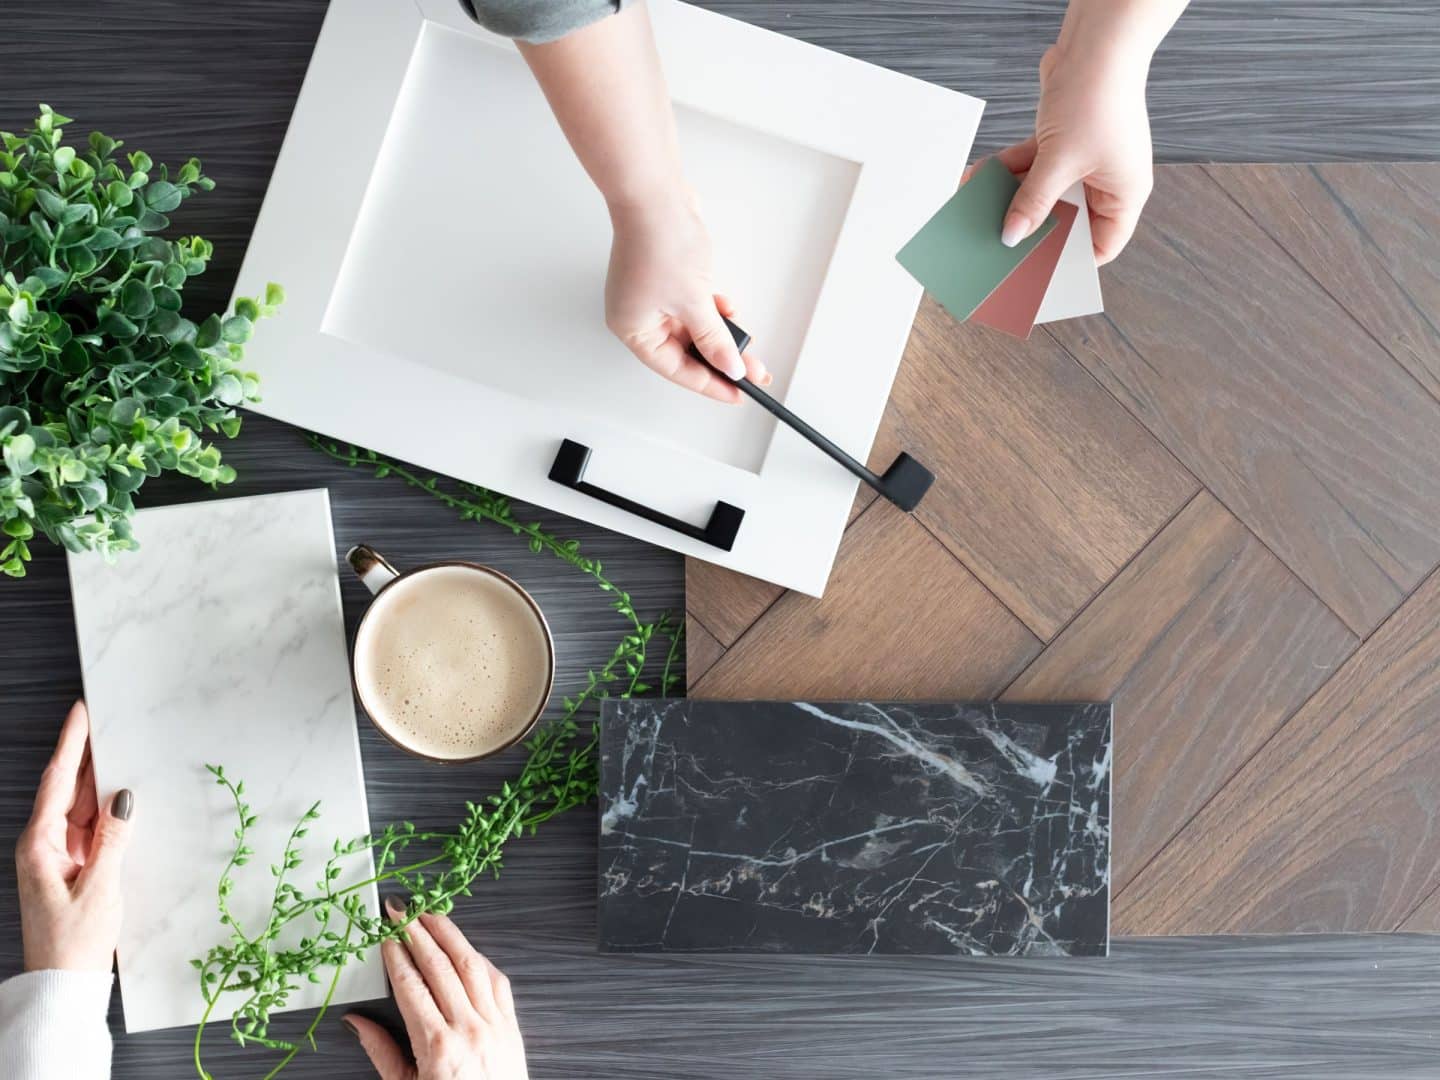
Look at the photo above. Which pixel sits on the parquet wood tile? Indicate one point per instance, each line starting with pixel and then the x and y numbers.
pixel 701 650
pixel 1206 645
pixel 1367 234
pixel 1272 395
pixel 932 631
pixel 1335 823
pixel 1044 485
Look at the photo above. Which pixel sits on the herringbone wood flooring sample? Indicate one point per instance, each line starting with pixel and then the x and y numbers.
pixel 1271 394
pixel 1335 823
pixel 1368 234
pixel 1044 485
pixel 902 619
pixel 1206 645
pixel 701 650
pixel 727 602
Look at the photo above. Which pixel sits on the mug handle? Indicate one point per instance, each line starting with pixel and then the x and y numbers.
pixel 372 567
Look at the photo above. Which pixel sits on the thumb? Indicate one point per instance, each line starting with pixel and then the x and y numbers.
pixel 381 1048
pixel 1039 191
pixel 713 340
pixel 112 837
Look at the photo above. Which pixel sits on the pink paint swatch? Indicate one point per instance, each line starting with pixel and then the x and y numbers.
pixel 1012 307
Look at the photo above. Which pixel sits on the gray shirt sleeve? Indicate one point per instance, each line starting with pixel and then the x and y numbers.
pixel 539 20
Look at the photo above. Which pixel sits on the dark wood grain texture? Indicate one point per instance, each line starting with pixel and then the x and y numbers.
pixel 932 632
pixel 1335 823
pixel 1206 645
pixel 1368 235
pixel 1272 395
pixel 1044 485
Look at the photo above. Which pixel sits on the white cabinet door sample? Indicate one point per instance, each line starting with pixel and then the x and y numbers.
pixel 444 256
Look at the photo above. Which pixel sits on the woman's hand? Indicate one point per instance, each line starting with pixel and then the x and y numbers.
pixel 457 1008
pixel 1091 123
pixel 659 297
pixel 68 861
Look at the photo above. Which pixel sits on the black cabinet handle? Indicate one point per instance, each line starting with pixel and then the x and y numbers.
pixel 719 531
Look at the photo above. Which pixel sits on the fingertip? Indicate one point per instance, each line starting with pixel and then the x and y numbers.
pixel 1015 229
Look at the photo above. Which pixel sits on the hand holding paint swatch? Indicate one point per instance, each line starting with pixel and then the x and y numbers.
pixel 959 257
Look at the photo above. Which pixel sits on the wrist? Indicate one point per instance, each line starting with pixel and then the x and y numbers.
pixel 1118 35
pixel 664 200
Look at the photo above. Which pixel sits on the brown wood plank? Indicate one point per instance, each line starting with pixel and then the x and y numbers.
pixel 1368 234
pixel 1335 823
pixel 727 602
pixel 901 619
pixel 1425 919
pixel 1044 485
pixel 701 650
pixel 1206 644
pixel 1304 427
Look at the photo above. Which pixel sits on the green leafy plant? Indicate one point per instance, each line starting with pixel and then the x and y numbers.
pixel 102 381
pixel 560 772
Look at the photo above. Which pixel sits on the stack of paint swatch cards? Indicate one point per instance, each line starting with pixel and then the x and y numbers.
pixel 960 260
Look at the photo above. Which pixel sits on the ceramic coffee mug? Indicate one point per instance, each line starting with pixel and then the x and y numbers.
pixel 452 661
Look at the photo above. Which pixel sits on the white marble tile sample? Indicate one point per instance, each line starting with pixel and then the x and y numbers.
pixel 220 641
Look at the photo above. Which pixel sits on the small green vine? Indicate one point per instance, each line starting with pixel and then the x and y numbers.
pixel 561 772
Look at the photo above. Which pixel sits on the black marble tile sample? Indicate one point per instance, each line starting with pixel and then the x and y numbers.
pixel 854 827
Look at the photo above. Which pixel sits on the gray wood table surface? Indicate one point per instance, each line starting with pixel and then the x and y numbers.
pixel 1282 80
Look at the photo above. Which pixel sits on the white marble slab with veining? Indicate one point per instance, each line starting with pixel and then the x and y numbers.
pixel 220 641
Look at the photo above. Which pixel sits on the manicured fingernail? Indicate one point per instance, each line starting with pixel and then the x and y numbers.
pixel 766 379
pixel 395 906
pixel 122 804
pixel 1017 227
pixel 350 1027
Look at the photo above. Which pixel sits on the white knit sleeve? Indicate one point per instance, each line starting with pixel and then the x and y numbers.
pixel 52 1026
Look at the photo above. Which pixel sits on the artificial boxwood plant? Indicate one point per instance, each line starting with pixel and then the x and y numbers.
pixel 103 382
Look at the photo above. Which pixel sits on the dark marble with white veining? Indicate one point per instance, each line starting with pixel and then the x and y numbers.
pixel 832 827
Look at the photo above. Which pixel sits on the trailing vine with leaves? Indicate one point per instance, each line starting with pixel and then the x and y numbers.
pixel 560 772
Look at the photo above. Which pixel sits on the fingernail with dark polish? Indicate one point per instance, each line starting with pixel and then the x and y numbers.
pixel 395 905
pixel 122 804
pixel 350 1027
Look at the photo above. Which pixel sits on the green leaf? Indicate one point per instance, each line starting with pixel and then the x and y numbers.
pixel 103 239
pixel 19 454
pixel 162 196
pixel 63 158
pixel 274 295
pixel 52 204
pixel 188 356
pixel 118 326
pixel 227 389
pixel 209 332
pixel 236 329
pixel 119 194
pixel 248 308
pixel 136 300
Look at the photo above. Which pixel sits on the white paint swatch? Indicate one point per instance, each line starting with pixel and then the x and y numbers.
pixel 220 641
pixel 1075 288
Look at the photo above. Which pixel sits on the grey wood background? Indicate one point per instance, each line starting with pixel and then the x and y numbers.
pixel 1282 80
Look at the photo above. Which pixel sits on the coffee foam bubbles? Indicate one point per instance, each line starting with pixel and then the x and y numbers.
pixel 452 662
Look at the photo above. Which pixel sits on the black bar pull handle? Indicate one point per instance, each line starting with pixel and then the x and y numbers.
pixel 720 531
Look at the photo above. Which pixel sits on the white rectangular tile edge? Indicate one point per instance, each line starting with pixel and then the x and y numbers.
pixel 230 651
pixel 910 138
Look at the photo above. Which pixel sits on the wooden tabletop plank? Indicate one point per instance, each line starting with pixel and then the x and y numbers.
pixel 1273 395
pixel 1206 644
pixel 1335 823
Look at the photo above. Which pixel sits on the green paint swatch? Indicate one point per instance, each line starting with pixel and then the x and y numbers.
pixel 957 255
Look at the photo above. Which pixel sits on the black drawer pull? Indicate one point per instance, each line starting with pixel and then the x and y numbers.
pixel 720 531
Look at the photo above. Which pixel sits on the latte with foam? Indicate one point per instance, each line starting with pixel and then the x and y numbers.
pixel 453 662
